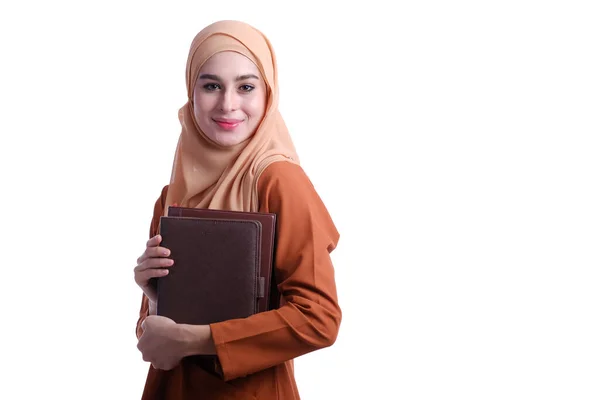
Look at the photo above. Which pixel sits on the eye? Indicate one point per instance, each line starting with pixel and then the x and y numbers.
pixel 246 88
pixel 211 87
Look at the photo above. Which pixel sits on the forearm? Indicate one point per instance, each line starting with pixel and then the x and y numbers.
pixel 249 345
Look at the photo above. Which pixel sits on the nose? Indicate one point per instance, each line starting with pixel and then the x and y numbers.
pixel 229 101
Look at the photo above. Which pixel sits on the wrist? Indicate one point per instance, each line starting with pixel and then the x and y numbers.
pixel 196 340
pixel 151 307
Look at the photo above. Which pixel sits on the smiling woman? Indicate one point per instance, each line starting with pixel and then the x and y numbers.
pixel 235 153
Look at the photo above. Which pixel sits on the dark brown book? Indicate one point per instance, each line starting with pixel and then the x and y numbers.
pixel 215 272
pixel 270 295
pixel 220 265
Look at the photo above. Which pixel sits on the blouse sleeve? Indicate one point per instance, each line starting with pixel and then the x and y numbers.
pixel 310 316
pixel 158 210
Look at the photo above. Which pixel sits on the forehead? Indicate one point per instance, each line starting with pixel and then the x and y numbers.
pixel 229 63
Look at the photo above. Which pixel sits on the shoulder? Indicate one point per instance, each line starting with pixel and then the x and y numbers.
pixel 285 189
pixel 282 168
pixel 284 179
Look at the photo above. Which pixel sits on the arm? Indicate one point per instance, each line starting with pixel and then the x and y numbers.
pixel 310 317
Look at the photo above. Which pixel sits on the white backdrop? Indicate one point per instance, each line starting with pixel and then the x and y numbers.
pixel 455 144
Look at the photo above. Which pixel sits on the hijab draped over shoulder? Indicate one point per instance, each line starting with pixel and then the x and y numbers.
pixel 209 175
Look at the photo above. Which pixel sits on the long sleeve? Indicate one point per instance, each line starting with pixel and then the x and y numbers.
pixel 158 209
pixel 310 316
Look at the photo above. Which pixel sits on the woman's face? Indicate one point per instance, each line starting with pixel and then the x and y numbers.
pixel 229 98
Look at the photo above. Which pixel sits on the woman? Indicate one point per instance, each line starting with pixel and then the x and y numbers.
pixel 235 153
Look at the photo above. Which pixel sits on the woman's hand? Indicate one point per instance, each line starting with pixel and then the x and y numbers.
pixel 164 343
pixel 153 263
pixel 161 343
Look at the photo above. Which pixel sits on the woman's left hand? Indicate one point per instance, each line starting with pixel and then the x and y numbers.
pixel 161 343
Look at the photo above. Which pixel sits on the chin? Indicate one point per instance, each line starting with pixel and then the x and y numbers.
pixel 229 139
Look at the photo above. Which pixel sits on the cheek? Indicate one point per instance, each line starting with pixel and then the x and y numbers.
pixel 256 108
pixel 202 106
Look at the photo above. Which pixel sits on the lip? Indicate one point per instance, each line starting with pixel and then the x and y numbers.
pixel 228 124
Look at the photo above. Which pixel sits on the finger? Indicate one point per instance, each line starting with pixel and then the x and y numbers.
pixel 152 252
pixel 149 245
pixel 158 251
pixel 154 241
pixel 145 276
pixel 152 263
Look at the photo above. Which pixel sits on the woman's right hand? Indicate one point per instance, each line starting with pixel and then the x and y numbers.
pixel 153 263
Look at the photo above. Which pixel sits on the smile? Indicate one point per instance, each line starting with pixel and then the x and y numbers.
pixel 228 124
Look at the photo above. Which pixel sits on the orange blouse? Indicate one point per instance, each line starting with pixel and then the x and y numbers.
pixel 256 353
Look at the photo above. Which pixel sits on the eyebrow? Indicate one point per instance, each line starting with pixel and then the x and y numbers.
pixel 217 78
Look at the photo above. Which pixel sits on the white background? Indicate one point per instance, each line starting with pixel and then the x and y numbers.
pixel 455 144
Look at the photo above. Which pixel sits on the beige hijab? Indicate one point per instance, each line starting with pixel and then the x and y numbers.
pixel 206 174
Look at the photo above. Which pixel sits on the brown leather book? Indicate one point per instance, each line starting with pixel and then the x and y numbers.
pixel 270 299
pixel 220 265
